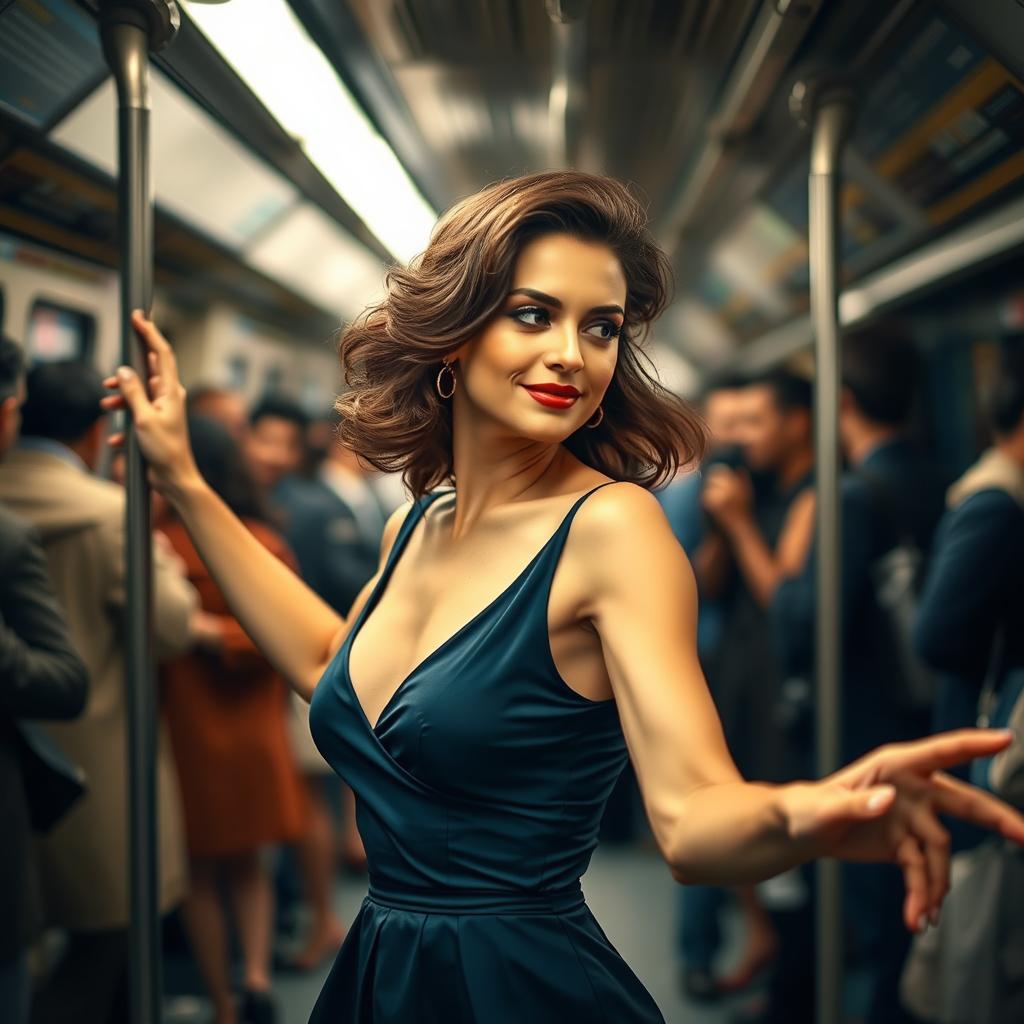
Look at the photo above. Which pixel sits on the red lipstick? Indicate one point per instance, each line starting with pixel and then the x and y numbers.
pixel 554 396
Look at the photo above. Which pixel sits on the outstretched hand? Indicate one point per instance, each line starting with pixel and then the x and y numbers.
pixel 157 409
pixel 886 807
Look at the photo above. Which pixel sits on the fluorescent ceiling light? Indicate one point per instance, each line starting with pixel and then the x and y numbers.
pixel 268 47
pixel 309 252
pixel 201 172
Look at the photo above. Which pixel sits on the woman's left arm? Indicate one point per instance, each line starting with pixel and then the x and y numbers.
pixel 710 825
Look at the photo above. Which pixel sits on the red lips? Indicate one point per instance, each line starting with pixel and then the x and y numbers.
pixel 562 390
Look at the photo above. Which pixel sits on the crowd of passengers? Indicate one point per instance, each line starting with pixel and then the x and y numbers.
pixel 253 826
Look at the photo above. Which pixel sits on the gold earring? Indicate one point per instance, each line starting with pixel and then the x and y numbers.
pixel 600 418
pixel 448 367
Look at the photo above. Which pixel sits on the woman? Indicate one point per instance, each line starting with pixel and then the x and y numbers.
pixel 481 702
pixel 227 712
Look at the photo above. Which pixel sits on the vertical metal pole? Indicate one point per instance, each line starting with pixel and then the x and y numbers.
pixel 830 112
pixel 125 36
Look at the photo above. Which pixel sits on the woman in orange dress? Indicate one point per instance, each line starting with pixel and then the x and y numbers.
pixel 227 711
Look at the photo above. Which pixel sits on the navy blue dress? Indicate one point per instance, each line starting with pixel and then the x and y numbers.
pixel 478 796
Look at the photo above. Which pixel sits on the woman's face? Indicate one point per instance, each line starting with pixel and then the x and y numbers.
pixel 559 326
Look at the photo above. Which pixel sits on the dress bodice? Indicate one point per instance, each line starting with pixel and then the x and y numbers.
pixel 479 793
pixel 485 769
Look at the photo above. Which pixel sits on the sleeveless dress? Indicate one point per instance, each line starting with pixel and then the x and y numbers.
pixel 478 796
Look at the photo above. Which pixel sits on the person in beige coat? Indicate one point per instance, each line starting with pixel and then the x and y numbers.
pixel 48 480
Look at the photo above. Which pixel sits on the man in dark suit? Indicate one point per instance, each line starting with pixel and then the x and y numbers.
pixel 41 676
pixel 335 528
pixel 891 493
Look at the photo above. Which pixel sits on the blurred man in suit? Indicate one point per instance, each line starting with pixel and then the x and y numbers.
pixel 41 677
pixel 891 494
pixel 49 480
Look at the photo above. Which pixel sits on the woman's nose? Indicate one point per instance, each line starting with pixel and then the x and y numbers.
pixel 565 351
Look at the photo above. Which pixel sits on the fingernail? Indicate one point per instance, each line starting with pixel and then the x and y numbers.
pixel 123 373
pixel 879 798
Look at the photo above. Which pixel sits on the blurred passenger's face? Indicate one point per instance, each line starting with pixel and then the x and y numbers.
pixel 228 409
pixel 10 418
pixel 319 440
pixel 558 325
pixel 274 449
pixel 767 434
pixel 723 413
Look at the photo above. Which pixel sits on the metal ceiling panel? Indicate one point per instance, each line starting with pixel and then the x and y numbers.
pixel 50 57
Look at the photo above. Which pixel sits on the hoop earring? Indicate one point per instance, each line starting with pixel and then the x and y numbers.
pixel 448 367
pixel 600 418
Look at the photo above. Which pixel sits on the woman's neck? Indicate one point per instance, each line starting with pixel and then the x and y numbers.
pixel 493 471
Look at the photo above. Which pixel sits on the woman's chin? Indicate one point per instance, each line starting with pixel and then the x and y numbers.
pixel 553 433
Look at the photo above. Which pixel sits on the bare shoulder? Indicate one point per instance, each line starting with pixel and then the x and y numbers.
pixel 620 517
pixel 391 528
pixel 622 534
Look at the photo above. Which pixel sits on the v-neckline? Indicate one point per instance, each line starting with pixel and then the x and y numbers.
pixel 375 596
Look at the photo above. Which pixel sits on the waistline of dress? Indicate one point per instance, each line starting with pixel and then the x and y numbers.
pixel 441 900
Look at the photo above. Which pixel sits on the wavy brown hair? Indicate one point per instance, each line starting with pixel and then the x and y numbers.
pixel 392 415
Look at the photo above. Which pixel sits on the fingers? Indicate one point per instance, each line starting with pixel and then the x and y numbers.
pixel 870 803
pixel 962 800
pixel 133 395
pixel 915 876
pixel 944 751
pixel 159 356
pixel 161 373
pixel 936 847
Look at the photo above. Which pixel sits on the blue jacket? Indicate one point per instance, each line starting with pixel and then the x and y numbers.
pixel 976 585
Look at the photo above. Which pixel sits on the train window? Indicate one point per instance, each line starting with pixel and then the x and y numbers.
pixel 57 332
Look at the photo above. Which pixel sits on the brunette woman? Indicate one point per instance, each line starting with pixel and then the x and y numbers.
pixel 522 636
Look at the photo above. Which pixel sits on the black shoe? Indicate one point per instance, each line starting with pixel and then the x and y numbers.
pixel 699 984
pixel 257 1008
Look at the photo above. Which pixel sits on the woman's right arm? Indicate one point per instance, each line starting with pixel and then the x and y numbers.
pixel 296 631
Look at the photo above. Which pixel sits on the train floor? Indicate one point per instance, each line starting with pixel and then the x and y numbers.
pixel 629 891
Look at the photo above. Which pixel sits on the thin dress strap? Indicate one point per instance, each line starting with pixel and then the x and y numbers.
pixel 553 548
pixel 412 517
pixel 583 497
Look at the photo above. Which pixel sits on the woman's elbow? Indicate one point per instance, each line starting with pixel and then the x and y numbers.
pixel 685 866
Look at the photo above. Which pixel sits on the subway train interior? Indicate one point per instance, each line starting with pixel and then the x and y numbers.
pixel 298 149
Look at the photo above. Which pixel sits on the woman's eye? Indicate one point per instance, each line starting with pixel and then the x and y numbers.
pixel 606 329
pixel 533 316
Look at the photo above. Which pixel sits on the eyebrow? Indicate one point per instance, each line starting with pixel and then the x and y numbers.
pixel 550 300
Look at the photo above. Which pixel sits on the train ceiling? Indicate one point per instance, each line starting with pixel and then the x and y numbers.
pixel 686 99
